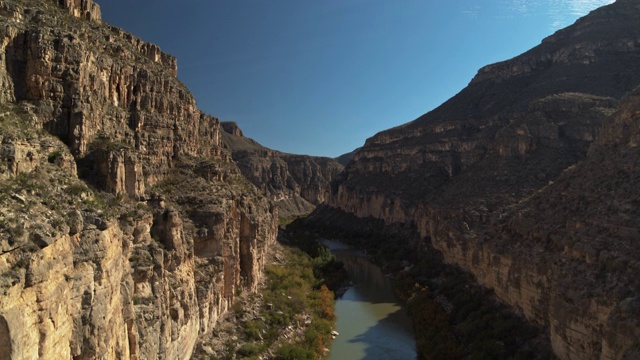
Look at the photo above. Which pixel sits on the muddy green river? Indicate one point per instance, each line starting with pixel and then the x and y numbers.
pixel 370 321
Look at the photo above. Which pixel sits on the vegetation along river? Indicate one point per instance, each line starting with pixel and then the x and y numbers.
pixel 370 321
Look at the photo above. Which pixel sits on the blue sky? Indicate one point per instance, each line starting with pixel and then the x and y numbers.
pixel 318 77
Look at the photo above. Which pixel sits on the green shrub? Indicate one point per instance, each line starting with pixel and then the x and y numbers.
pixel 252 330
pixel 293 352
pixel 249 349
pixel 54 156
pixel 292 289
pixel 76 189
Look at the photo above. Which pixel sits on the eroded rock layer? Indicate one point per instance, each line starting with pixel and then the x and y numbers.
pixel 297 183
pixel 126 230
pixel 473 176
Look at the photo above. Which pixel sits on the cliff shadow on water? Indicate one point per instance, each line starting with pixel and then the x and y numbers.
pixel 371 321
pixel 452 317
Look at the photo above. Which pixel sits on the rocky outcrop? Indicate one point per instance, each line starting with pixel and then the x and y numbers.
pixel 125 282
pixel 345 158
pixel 126 230
pixel 83 9
pixel 84 81
pixel 473 177
pixel 297 183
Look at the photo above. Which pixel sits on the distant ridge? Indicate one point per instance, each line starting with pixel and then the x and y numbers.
pixel 297 183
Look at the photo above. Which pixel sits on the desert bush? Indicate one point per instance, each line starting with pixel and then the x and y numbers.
pixel 54 156
pixel 252 330
pixel 293 352
pixel 293 290
pixel 249 349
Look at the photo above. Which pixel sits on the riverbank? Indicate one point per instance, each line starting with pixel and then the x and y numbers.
pixel 371 321
pixel 290 317
pixel 452 316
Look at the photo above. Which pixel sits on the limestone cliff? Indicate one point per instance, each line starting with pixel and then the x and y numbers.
pixel 126 229
pixel 296 182
pixel 516 126
pixel 582 233
pixel 458 172
pixel 567 256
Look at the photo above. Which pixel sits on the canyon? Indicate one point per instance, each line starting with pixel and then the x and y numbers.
pixel 130 220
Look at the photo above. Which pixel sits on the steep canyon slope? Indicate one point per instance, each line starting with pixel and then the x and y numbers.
pixel 473 177
pixel 297 183
pixel 126 229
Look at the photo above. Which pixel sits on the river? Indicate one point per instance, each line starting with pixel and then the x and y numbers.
pixel 371 322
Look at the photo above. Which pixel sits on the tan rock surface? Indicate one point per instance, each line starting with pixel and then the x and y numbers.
pixel 145 251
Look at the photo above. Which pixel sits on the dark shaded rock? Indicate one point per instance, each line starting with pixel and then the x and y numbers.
pixel 630 306
pixel 527 179
pixel 345 158
pixel 296 182
pixel 41 239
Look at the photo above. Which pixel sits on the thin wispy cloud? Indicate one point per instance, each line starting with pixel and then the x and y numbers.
pixel 523 6
pixel 561 13
pixel 583 7
pixel 564 12
pixel 471 11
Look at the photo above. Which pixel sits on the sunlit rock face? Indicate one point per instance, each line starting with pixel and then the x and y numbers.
pixel 488 179
pixel 139 275
pixel 87 9
pixel 297 183
pixel 86 82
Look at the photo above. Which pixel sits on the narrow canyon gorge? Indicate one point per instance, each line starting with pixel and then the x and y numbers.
pixel 130 221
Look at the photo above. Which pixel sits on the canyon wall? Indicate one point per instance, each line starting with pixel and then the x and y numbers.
pixel 489 179
pixel 297 183
pixel 126 230
pixel 568 255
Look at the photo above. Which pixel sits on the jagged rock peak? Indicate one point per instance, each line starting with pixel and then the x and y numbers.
pixel 232 128
pixel 90 10
pixel 546 105
pixel 87 9
pixel 297 183
pixel 124 91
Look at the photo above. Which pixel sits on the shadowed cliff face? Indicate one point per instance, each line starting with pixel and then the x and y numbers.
pixel 524 119
pixel 126 229
pixel 582 231
pixel 568 254
pixel 473 176
pixel 296 182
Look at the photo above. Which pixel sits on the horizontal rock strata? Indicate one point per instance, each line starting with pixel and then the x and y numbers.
pixel 126 230
pixel 297 183
pixel 473 176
